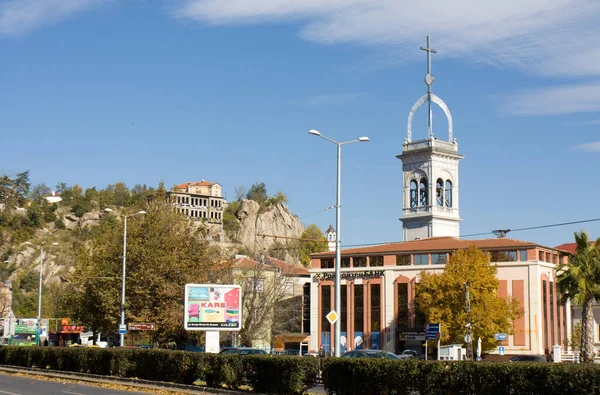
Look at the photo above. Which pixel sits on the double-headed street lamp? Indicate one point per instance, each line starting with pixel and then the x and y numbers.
pixel 337 295
pixel 39 314
pixel 121 334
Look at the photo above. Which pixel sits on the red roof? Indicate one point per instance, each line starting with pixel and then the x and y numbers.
pixel 199 183
pixel 440 244
pixel 244 262
pixel 571 248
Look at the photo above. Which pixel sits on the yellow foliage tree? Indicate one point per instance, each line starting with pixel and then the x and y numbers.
pixel 441 297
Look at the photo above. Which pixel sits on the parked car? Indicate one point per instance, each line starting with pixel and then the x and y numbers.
pixel 528 358
pixel 242 351
pixel 410 354
pixel 369 354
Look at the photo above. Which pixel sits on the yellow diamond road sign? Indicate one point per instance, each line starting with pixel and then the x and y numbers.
pixel 332 317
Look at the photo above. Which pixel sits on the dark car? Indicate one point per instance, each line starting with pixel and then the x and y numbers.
pixel 242 351
pixel 369 354
pixel 528 358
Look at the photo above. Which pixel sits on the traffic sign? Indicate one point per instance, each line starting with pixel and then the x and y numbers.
pixel 501 350
pixel 332 317
pixel 432 331
pixel 122 329
pixel 468 338
pixel 500 336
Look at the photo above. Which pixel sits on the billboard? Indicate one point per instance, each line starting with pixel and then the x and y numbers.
pixel 213 307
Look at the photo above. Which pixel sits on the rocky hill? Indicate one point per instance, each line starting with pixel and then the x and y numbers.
pixel 274 220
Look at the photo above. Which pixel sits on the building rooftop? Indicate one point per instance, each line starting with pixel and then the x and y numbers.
pixel 571 248
pixel 440 244
pixel 202 183
pixel 244 262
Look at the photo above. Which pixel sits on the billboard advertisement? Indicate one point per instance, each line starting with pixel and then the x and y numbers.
pixel 213 307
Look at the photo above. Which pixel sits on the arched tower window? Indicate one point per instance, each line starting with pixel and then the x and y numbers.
pixel 414 196
pixel 439 192
pixel 448 193
pixel 423 193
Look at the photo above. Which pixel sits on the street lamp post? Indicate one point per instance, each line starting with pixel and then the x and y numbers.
pixel 121 335
pixel 338 292
pixel 39 314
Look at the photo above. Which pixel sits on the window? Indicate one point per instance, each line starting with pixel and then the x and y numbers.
pixel 545 312
pixel 414 200
pixel 256 284
pixel 306 308
pixel 358 308
pixel 344 306
pixel 448 193
pixel 376 260
pixel 523 255
pixel 325 307
pixel 402 260
pixel 345 262
pixel 359 261
pixel 439 192
pixel 326 263
pixel 423 193
pixel 541 256
pixel 422 259
pixel 512 255
pixel 438 259
pixel 375 307
pixel 402 304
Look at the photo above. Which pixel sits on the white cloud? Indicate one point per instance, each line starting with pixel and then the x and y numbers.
pixel 551 37
pixel 560 99
pixel 21 16
pixel 589 147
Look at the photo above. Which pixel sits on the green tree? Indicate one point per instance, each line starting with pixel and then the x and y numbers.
pixel 38 192
pixel 441 297
pixel 164 252
pixel 579 280
pixel 316 242
pixel 21 187
pixel 258 193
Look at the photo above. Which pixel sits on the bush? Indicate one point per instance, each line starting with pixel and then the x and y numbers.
pixel 378 376
pixel 276 375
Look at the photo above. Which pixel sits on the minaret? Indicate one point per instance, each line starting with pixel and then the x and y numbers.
pixel 331 238
pixel 429 174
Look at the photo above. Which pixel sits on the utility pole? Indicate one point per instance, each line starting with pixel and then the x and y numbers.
pixel 469 334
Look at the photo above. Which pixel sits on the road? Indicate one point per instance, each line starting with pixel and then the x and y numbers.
pixel 18 385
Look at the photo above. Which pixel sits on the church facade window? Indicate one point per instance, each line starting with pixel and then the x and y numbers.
pixel 439 192
pixel 448 193
pixel 414 193
pixel 423 193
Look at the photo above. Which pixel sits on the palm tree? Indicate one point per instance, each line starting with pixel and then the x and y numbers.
pixel 579 280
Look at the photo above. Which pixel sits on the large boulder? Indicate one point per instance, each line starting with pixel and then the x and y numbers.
pixel 274 220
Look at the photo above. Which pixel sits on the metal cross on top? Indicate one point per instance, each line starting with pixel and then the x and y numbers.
pixel 429 81
pixel 429 51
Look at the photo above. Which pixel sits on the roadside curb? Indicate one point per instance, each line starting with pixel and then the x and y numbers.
pixel 134 382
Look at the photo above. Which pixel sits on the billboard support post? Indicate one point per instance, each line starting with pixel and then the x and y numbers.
pixel 211 342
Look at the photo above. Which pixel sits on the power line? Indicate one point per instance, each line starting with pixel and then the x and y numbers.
pixel 317 212
pixel 487 233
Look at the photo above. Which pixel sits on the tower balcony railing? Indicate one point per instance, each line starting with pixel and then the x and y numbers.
pixel 430 143
pixel 427 210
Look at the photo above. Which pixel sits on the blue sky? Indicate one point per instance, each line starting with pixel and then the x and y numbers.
pixel 93 92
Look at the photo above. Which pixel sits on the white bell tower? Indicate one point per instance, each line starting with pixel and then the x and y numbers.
pixel 331 238
pixel 430 175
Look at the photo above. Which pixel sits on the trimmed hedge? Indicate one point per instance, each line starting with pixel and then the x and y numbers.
pixel 346 376
pixel 275 375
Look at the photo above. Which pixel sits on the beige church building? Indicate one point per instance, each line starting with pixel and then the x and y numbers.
pixel 378 282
